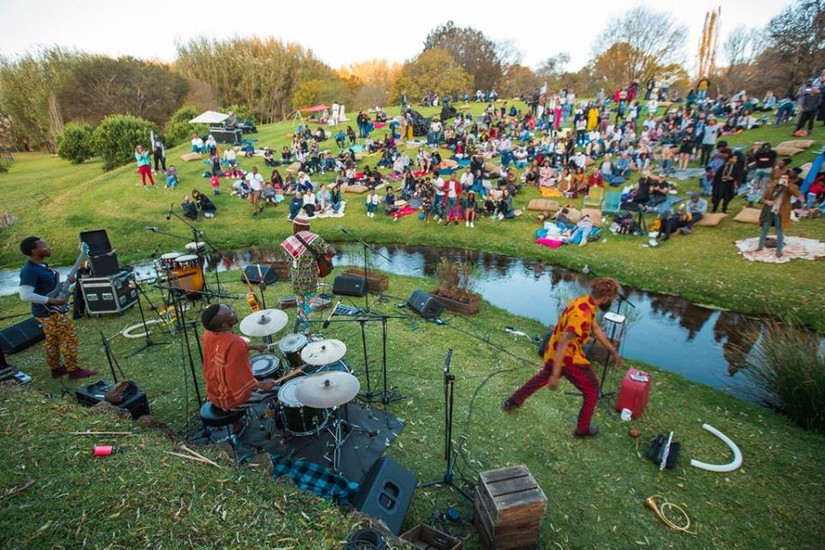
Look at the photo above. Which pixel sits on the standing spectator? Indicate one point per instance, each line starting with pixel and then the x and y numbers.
pixel 809 101
pixel 256 186
pixel 709 137
pixel 144 166
pixel 468 204
pixel 372 203
pixel 776 211
pixel 160 156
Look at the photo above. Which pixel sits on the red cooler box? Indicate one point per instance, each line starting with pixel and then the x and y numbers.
pixel 634 393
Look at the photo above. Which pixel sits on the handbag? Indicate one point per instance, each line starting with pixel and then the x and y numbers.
pixel 324 261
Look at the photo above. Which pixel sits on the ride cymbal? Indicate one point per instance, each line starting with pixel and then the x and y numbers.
pixel 323 352
pixel 264 323
pixel 327 389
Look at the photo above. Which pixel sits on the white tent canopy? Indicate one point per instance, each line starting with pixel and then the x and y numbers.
pixel 209 117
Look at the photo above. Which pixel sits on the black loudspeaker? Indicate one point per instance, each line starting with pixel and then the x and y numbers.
pixel 425 305
pixel 20 336
pixel 259 272
pixel 104 265
pixel 349 285
pixel 386 493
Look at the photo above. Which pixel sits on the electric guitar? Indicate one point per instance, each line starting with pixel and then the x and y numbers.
pixel 62 289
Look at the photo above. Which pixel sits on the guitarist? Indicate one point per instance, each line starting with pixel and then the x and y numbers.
pixel 306 250
pixel 37 280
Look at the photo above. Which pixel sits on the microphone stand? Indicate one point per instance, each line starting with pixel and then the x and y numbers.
pixel 366 247
pixel 198 235
pixel 449 456
pixel 146 332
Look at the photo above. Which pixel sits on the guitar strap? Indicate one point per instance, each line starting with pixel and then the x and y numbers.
pixel 315 254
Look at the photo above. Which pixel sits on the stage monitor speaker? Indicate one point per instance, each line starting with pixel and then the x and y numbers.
pixel 386 493
pixel 425 305
pixel 259 272
pixel 20 336
pixel 349 285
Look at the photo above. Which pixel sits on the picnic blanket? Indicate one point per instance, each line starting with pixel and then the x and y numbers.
pixel 403 211
pixel 317 479
pixel 688 174
pixel 795 248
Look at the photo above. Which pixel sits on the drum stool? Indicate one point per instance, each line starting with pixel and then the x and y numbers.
pixel 215 417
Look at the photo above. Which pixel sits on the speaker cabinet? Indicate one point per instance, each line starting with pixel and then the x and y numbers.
pixel 425 305
pixel 349 285
pixel 104 265
pixel 257 273
pixel 20 336
pixel 386 493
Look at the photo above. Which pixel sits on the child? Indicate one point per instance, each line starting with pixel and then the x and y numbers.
pixel 372 203
pixel 215 183
pixel 270 197
pixel 171 178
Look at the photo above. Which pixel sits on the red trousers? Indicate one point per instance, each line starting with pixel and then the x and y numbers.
pixel 581 376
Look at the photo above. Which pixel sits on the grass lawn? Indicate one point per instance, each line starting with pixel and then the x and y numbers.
pixel 595 489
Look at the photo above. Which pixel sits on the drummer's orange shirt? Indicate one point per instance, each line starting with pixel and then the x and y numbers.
pixel 226 370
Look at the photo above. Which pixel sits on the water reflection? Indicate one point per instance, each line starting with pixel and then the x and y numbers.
pixel 701 344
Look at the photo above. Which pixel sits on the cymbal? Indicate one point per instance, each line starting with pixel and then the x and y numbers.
pixel 264 322
pixel 327 389
pixel 323 352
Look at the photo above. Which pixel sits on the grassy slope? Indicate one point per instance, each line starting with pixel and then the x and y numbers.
pixel 703 268
pixel 595 488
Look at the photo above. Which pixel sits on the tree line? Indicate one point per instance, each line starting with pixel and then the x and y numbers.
pixel 269 79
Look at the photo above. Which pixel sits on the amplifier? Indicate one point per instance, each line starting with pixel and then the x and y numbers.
pixel 349 285
pixel 110 294
pixel 20 336
pixel 89 396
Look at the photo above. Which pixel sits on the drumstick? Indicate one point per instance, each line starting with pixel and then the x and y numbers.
pixel 286 377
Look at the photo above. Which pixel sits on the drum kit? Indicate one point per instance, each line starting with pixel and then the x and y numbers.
pixel 317 381
pixel 184 271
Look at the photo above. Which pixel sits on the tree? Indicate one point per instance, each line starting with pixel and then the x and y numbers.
pixel 554 66
pixel 433 70
pixel 263 74
pixel 652 40
pixel 519 81
pixel 99 86
pixel 741 48
pixel 474 52
pixel 794 46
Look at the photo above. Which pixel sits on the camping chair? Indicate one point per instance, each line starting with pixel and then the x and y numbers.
pixel 612 201
pixel 594 197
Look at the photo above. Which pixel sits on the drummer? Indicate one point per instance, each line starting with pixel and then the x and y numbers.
pixel 230 383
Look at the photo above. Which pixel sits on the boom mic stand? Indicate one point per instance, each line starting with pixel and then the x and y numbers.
pixel 367 247
pixel 449 455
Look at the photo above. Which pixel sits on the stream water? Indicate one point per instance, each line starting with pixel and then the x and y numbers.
pixel 666 331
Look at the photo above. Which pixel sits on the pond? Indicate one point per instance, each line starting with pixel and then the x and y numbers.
pixel 666 331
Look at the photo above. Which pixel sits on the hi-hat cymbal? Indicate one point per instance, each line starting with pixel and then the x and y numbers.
pixel 327 389
pixel 264 323
pixel 323 352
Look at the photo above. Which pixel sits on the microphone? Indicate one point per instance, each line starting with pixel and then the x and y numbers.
pixel 169 215
pixel 344 231
pixel 151 228
pixel 331 313
pixel 155 251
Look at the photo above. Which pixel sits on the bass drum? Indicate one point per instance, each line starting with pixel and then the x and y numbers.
pixel 340 366
pixel 297 418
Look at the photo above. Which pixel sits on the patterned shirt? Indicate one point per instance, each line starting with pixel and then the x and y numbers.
pixel 577 318
pixel 226 371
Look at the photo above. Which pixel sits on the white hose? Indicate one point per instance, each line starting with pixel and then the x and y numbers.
pixel 127 332
pixel 737 454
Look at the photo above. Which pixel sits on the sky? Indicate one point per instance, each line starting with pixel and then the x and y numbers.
pixel 341 33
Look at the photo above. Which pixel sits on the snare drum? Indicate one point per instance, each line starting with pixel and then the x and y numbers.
pixel 291 346
pixel 195 247
pixel 340 366
pixel 167 261
pixel 297 418
pixel 186 261
pixel 266 365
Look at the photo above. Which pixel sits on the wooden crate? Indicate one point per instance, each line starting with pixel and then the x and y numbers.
pixel 508 508
pixel 424 536
pixel 376 282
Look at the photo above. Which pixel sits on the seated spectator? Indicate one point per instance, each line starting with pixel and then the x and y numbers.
pixel 309 204
pixel 270 196
pixel 172 177
pixel 197 144
pixel 295 205
pixel 204 204
pixel 696 207
pixel 389 202
pixel 323 199
pixel 658 191
pixel 211 145
pixel 241 189
pixel 580 233
pixel 337 199
pixel 286 155
pixel 190 209
pixel 269 160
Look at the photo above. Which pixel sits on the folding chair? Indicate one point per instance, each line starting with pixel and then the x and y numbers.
pixel 594 198
pixel 612 202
